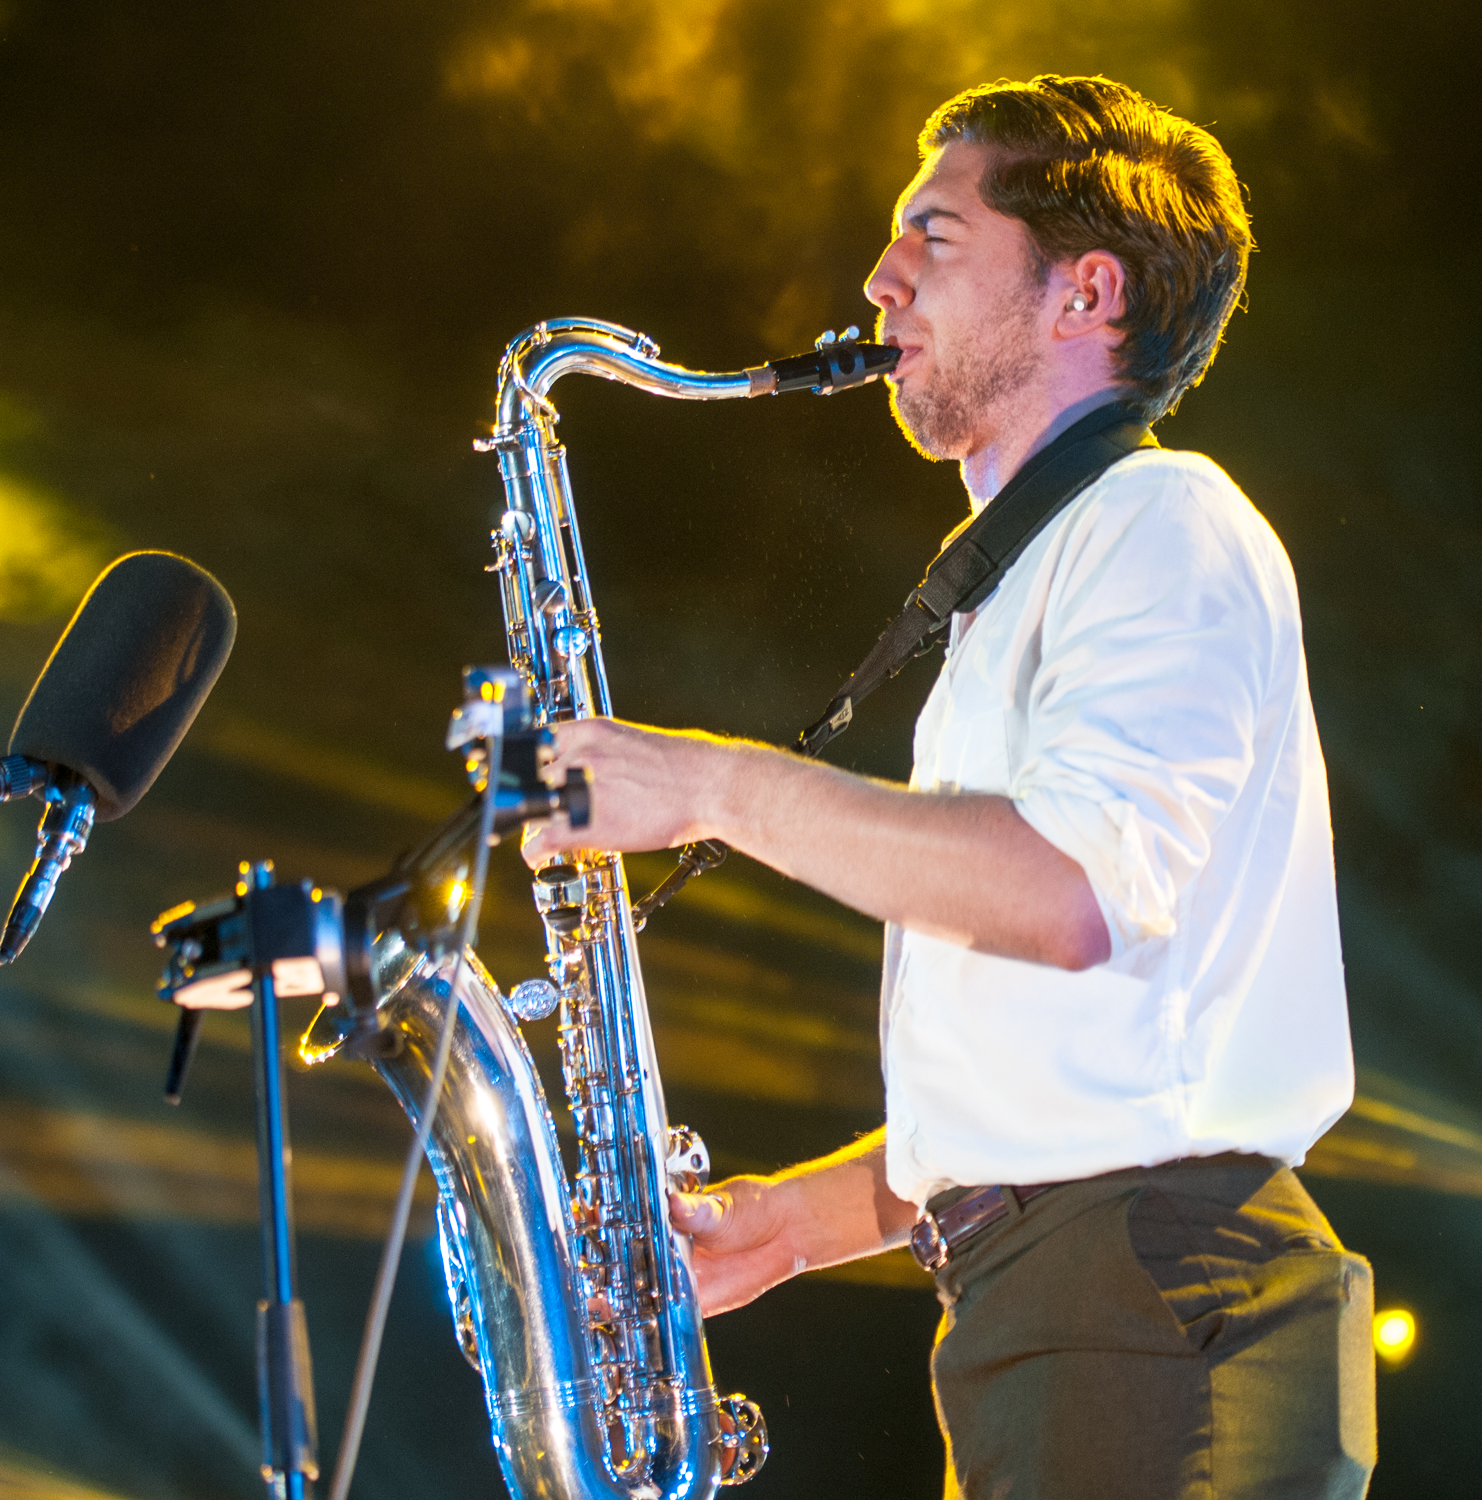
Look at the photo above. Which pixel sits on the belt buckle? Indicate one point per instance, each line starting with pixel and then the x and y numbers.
pixel 929 1246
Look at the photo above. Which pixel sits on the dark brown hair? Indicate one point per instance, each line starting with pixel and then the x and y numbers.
pixel 1088 164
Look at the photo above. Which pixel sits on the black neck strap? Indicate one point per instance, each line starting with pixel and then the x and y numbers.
pixel 969 567
pixel 974 559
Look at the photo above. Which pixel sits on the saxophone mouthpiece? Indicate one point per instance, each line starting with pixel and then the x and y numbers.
pixel 833 364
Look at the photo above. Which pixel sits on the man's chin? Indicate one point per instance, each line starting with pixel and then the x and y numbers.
pixel 922 429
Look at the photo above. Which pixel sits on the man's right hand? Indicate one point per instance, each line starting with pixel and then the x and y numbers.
pixel 752 1232
pixel 741 1246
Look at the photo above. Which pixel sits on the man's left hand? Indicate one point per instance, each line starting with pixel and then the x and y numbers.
pixel 651 788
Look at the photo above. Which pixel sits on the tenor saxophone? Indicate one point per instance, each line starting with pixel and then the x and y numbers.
pixel 575 1300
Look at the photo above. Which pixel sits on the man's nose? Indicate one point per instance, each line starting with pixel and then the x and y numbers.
pixel 888 285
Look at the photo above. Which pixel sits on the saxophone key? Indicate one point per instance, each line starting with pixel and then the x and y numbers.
pixel 653 1342
pixel 559 883
pixel 517 528
pixel 641 1342
pixel 592 1092
pixel 595 1124
pixel 641 1267
pixel 605 1359
pixel 606 1168
pixel 597 1199
pixel 563 920
pixel 743 1437
pixel 594 1051
pixel 567 968
pixel 585 1200
pixel 583 1063
pixel 591 1259
pixel 560 897
pixel 688 1165
pixel 533 999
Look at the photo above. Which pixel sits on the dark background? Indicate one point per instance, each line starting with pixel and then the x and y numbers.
pixel 257 266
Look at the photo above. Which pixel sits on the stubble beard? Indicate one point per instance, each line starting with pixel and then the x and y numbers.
pixel 942 418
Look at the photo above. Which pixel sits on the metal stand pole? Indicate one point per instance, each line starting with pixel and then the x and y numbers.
pixel 285 1381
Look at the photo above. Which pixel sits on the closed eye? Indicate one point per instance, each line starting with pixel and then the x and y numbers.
pixel 922 221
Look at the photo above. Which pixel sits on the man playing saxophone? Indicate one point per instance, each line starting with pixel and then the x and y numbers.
pixel 1113 1013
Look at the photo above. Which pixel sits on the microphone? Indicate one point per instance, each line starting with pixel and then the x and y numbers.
pixel 115 698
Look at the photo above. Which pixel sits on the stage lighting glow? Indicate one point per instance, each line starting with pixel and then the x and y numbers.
pixel 1394 1334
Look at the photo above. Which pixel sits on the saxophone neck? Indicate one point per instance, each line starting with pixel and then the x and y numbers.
pixel 540 356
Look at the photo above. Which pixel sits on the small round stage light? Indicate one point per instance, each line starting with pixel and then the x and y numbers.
pixel 1394 1334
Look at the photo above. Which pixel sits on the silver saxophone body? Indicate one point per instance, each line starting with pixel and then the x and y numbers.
pixel 575 1299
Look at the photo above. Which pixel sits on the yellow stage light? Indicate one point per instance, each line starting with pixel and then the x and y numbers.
pixel 1394 1334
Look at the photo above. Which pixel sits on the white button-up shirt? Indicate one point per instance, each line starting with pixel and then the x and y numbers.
pixel 1137 686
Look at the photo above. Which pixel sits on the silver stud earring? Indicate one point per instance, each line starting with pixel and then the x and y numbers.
pixel 1078 303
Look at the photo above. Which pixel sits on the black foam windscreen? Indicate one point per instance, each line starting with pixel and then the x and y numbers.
pixel 128 675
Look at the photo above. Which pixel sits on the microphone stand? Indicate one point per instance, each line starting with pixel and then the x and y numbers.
pixel 285 1378
pixel 259 924
pixel 213 948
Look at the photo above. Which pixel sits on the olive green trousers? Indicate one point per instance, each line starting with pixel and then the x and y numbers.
pixel 1191 1331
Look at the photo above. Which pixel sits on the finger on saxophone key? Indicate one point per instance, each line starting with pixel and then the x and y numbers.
pixel 696 1214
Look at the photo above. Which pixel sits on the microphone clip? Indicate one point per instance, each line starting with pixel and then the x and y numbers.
pixel 22 776
pixel 71 805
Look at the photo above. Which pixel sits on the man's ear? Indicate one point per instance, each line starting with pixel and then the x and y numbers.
pixel 1090 292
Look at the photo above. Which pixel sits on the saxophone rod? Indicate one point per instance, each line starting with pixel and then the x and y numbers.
pixel 541 355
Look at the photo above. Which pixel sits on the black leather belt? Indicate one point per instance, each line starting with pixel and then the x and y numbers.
pixel 935 1236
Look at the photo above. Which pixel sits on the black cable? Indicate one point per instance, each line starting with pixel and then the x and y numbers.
pixel 375 1321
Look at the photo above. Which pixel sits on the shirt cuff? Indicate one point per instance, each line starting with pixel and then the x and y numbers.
pixel 1105 839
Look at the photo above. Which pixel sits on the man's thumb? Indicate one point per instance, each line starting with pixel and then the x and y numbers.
pixel 696 1213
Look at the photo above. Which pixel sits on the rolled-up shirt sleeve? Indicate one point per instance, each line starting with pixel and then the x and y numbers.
pixel 1153 653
